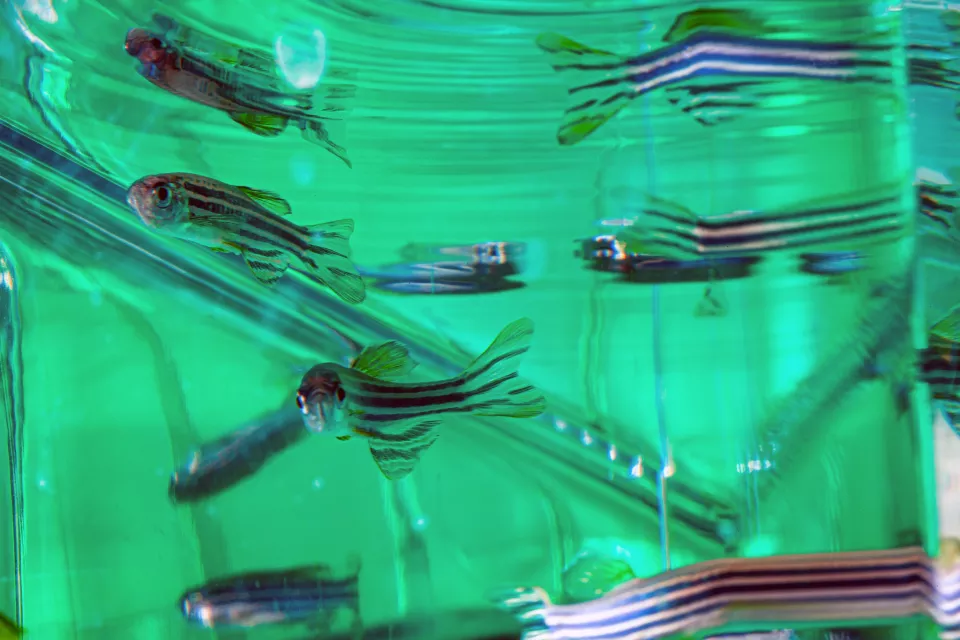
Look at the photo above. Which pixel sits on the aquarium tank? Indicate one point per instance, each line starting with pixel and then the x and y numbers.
pixel 479 319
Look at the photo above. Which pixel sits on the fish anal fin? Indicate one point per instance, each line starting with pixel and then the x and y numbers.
pixel 268 200
pixel 398 451
pixel 262 124
pixel 266 268
pixel 386 361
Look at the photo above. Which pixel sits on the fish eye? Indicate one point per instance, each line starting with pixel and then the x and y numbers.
pixel 300 401
pixel 163 196
pixel 155 43
pixel 341 394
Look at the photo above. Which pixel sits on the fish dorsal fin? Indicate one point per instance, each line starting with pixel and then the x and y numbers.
pixel 727 20
pixel 947 329
pixel 385 361
pixel 591 576
pixel 268 200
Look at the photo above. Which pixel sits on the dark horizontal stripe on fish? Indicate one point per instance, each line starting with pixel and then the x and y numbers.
pixel 759 217
pixel 252 214
pixel 707 240
pixel 367 388
pixel 396 417
pixel 412 401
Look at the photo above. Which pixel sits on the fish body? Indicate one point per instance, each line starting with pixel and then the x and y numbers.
pixel 272 597
pixel 218 465
pixel 664 228
pixel 248 222
pixel 220 85
pixel 832 263
pixel 400 420
pixel 701 47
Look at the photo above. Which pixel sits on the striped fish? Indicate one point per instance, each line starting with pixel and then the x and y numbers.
pixel 218 465
pixel 400 420
pixel 235 86
pixel 311 594
pixel 248 222
pixel 703 44
pixel 940 369
pixel 667 229
pixel 736 593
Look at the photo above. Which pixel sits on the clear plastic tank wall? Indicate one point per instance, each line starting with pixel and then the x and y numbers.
pixel 119 385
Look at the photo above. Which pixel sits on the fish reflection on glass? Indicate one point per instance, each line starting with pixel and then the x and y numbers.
pixel 701 45
pixel 439 278
pixel 707 596
pixel 248 222
pixel 833 264
pixel 482 253
pixel 399 420
pixel 668 229
pixel 236 86
pixel 311 594
pixel 591 575
pixel 219 465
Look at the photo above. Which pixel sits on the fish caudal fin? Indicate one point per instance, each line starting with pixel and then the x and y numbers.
pixel 527 605
pixel 597 80
pixel 493 386
pixel 334 95
pixel 328 259
pixel 314 131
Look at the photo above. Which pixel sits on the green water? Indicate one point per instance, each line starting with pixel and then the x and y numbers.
pixel 756 431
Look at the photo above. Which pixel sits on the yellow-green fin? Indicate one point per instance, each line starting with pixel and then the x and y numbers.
pixel 726 20
pixel 343 437
pixel 262 124
pixel 268 200
pixel 385 361
pixel 556 43
pixel 10 629
pixel 948 328
pixel 220 250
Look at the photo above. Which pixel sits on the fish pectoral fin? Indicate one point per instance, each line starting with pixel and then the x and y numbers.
pixel 266 268
pixel 386 361
pixel 343 438
pixel 262 124
pixel 268 200
pixel 398 452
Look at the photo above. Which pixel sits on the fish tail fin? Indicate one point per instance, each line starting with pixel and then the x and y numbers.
pixel 335 94
pixel 313 130
pixel 328 259
pixel 596 78
pixel 493 385
pixel 527 605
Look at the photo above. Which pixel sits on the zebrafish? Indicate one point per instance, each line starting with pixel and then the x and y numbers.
pixel 711 597
pixel 400 420
pixel 248 222
pixel 311 594
pixel 225 83
pixel 667 229
pixel 700 45
pixel 218 465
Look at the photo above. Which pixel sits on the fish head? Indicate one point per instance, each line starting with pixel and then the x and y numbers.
pixel 323 401
pixel 193 608
pixel 160 201
pixel 148 48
